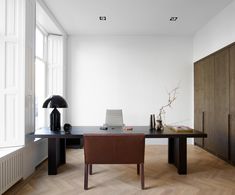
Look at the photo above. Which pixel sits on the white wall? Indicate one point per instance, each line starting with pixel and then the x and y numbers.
pixel 131 73
pixel 216 34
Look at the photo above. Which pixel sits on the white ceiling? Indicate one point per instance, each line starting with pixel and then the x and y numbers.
pixel 134 16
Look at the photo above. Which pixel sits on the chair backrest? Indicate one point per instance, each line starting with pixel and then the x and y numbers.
pixel 114 148
pixel 114 118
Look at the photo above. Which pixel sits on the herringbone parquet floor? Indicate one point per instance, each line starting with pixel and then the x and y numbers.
pixel 206 175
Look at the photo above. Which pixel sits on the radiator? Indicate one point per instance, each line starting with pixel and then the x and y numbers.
pixel 11 170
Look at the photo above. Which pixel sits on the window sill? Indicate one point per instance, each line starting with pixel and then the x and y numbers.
pixel 8 150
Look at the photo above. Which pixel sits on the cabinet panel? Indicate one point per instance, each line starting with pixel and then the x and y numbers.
pixel 221 104
pixel 208 66
pixel 232 103
pixel 198 99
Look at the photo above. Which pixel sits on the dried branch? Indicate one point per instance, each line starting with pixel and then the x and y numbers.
pixel 171 99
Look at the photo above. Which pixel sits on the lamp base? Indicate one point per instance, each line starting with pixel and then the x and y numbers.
pixel 55 120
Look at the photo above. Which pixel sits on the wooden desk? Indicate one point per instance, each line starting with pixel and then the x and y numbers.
pixel 177 143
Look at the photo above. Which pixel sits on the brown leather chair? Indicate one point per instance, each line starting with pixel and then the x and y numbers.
pixel 114 149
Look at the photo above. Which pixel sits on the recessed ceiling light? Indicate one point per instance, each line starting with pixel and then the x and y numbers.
pixel 103 18
pixel 174 18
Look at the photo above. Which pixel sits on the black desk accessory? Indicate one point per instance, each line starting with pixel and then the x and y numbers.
pixel 152 124
pixel 67 127
pixel 103 128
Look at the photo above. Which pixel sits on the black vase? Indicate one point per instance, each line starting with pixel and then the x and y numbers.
pixel 159 125
pixel 152 122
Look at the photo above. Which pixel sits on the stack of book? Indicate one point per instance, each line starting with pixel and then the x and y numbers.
pixel 181 129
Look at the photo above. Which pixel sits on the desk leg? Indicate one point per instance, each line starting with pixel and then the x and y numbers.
pixel 171 150
pixel 62 151
pixel 52 156
pixel 177 153
pixel 56 154
pixel 181 155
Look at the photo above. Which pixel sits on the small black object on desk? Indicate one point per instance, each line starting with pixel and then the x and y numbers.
pixel 103 128
pixel 152 125
pixel 67 127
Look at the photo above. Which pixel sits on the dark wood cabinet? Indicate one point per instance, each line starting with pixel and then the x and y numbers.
pixel 214 102
pixel 208 109
pixel 232 105
pixel 204 100
pixel 221 103
pixel 198 99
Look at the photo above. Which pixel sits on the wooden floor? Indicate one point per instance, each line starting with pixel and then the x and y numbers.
pixel 206 175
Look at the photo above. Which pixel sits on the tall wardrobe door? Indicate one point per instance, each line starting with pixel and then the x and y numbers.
pixel 232 104
pixel 208 65
pixel 198 99
pixel 221 102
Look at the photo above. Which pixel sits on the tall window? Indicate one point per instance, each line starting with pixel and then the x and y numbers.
pixel 48 73
pixel 40 77
pixel 11 66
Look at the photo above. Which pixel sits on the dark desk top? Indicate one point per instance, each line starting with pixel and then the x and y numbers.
pixel 78 131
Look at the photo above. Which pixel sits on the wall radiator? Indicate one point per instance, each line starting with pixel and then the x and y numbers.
pixel 11 170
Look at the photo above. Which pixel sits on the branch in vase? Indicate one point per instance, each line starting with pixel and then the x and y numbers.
pixel 171 99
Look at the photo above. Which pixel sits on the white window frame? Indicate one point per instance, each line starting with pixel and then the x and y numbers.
pixel 61 32
pixel 55 74
pixel 11 73
pixel 45 61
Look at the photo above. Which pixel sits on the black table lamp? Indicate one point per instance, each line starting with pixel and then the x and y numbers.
pixel 55 101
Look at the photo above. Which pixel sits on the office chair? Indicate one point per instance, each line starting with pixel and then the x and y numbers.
pixel 114 118
pixel 114 149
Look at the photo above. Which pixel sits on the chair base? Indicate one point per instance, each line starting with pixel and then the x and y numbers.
pixel 88 169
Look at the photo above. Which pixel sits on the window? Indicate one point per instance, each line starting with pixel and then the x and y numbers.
pixel 40 77
pixel 17 44
pixel 48 73
pixel 11 128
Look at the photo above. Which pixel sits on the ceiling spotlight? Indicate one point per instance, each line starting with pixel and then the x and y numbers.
pixel 103 18
pixel 173 18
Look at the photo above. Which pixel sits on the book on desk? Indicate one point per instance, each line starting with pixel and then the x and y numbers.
pixel 180 128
